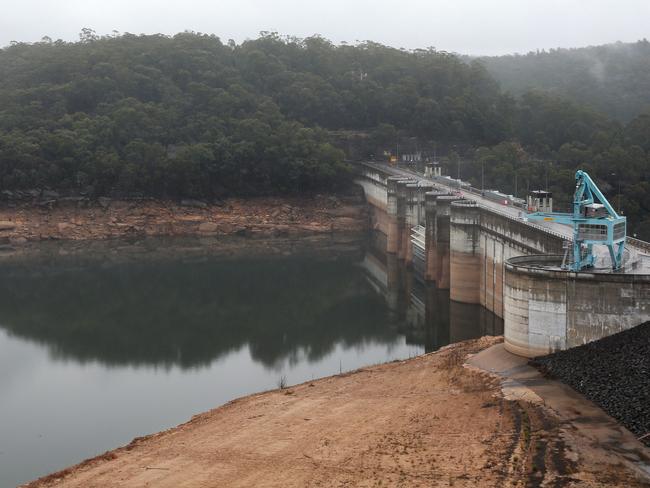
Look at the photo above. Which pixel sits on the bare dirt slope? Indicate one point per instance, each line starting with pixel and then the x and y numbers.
pixel 427 422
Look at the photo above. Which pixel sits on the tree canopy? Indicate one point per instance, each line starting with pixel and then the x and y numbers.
pixel 191 116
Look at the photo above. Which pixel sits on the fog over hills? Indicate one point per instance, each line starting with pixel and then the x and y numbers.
pixel 473 27
pixel 612 78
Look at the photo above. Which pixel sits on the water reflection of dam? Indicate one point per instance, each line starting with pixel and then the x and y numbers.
pixel 425 312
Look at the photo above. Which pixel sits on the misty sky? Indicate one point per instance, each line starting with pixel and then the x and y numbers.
pixel 464 26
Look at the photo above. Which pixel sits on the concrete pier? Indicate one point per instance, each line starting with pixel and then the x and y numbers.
pixel 465 252
pixel 443 215
pixel 403 233
pixel 431 264
pixel 411 217
pixel 393 230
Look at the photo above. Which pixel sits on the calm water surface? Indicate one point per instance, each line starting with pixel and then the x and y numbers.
pixel 99 346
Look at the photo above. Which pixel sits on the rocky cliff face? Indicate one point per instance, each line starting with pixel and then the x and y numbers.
pixel 106 218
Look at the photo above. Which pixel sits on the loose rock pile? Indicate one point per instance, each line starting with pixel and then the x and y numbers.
pixel 613 372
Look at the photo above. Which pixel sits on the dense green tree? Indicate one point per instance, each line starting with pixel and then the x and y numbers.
pixel 159 115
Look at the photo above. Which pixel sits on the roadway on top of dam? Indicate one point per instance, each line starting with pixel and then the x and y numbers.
pixel 638 259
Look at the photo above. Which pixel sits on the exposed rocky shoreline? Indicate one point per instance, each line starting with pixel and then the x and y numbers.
pixel 83 219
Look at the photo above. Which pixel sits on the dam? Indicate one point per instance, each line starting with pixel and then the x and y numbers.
pixel 489 254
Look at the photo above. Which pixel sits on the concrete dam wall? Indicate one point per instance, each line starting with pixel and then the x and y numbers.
pixel 548 309
pixel 487 257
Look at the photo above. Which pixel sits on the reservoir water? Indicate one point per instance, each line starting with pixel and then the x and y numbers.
pixel 104 342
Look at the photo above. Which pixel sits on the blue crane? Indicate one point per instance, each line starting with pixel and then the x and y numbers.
pixel 594 221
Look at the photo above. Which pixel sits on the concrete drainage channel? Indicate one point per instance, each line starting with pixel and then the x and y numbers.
pixel 585 426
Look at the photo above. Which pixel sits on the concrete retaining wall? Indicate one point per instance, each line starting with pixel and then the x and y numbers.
pixel 547 310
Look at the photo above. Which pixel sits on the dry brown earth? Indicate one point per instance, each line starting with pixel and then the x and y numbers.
pixel 425 422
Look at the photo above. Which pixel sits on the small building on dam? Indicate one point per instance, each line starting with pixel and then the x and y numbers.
pixel 488 253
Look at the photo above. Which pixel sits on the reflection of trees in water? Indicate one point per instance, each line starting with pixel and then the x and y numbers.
pixel 188 314
pixel 189 311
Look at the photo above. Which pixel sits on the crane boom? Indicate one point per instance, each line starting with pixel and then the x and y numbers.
pixel 594 221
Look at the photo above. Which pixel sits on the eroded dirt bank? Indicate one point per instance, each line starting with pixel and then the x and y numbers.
pixel 105 218
pixel 428 421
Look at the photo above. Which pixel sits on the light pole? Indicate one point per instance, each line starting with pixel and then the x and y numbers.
pixel 482 177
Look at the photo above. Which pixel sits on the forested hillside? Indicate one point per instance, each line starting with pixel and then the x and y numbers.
pixel 612 78
pixel 191 116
